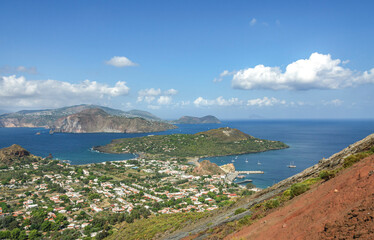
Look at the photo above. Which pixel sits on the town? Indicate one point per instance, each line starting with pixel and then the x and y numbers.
pixel 57 200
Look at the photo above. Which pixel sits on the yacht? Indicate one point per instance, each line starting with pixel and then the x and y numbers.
pixel 292 165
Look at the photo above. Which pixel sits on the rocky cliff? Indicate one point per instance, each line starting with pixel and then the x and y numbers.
pixel 197 120
pixel 97 120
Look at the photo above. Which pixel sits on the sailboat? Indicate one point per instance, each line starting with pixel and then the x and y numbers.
pixel 258 163
pixel 292 165
pixel 246 160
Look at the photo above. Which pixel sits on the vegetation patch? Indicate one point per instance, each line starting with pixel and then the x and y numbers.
pixel 151 227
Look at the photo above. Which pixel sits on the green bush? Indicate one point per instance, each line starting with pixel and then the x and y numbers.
pixel 272 203
pixel 326 175
pixel 246 220
pixel 240 210
pixel 298 188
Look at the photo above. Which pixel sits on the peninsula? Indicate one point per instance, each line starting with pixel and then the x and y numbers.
pixel 197 120
pixel 215 142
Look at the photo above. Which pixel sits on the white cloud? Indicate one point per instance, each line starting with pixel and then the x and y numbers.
pixel 253 22
pixel 120 62
pixel 222 75
pixel 19 69
pixel 150 94
pixel 334 102
pixel 220 101
pixel 164 100
pixel 170 92
pixel 19 92
pixel 265 101
pixel 317 72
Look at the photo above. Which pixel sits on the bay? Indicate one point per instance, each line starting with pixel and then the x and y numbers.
pixel 309 141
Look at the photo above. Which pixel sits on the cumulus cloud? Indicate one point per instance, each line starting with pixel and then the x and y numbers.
pixel 150 94
pixel 265 101
pixel 253 22
pixel 220 101
pixel 120 62
pixel 164 100
pixel 319 71
pixel 19 69
pixel 19 92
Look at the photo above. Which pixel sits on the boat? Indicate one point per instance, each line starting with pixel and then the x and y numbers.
pixel 38 133
pixel 246 160
pixel 258 163
pixel 240 176
pixel 292 165
pixel 233 160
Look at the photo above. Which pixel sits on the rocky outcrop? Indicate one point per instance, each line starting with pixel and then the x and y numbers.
pixel 197 120
pixel 13 153
pixel 97 120
pixel 228 168
pixel 207 168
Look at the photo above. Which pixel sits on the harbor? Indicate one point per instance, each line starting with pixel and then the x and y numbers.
pixel 230 177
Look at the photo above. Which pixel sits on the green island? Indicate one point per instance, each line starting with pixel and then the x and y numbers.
pixel 215 142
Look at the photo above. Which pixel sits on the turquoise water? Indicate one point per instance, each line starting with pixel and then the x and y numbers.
pixel 309 141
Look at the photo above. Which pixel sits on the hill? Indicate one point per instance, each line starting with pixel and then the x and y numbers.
pixel 14 154
pixel 330 200
pixel 207 168
pixel 216 142
pixel 97 120
pixel 197 120
pixel 47 117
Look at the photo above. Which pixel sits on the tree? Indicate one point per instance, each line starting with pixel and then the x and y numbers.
pixel 15 233
pixel 33 234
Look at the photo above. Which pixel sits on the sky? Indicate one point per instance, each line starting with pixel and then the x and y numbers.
pixel 232 59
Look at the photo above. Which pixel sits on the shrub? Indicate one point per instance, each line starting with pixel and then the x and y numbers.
pixel 246 220
pixel 240 210
pixel 298 188
pixel 272 203
pixel 326 175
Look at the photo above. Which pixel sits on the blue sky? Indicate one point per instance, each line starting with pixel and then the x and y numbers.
pixel 232 59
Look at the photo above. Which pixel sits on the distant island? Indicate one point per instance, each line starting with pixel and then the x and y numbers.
pixel 97 120
pixel 215 142
pixel 197 120
pixel 86 119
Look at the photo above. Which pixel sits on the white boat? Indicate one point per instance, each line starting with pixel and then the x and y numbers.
pixel 258 163
pixel 292 165
pixel 246 160
pixel 233 160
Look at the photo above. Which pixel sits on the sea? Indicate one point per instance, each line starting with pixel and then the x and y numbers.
pixel 309 141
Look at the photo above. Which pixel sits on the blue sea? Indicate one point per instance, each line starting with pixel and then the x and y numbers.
pixel 309 141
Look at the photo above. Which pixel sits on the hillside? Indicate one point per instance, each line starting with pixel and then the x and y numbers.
pixel 14 154
pixel 97 120
pixel 197 120
pixel 350 190
pixel 341 208
pixel 216 142
pixel 47 117
pixel 207 168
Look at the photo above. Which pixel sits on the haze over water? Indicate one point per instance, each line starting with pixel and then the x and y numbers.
pixel 309 141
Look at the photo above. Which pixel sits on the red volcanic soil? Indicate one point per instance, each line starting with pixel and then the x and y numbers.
pixel 341 208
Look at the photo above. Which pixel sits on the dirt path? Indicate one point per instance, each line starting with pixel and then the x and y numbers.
pixel 341 208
